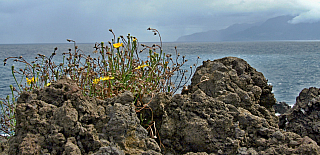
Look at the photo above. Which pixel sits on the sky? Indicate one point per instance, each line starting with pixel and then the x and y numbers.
pixel 89 21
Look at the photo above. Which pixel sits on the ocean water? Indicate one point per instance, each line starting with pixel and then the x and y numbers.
pixel 289 66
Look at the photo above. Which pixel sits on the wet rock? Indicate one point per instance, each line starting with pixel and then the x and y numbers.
pixel 59 120
pixel 281 107
pixel 304 117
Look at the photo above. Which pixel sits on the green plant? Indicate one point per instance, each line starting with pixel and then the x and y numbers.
pixel 116 67
pixel 8 121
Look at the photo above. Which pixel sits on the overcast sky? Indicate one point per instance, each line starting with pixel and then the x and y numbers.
pixel 88 21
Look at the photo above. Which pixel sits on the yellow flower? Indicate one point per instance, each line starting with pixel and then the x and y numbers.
pixel 141 66
pixel 134 39
pixel 95 81
pixel 48 84
pixel 29 81
pixel 117 45
pixel 106 78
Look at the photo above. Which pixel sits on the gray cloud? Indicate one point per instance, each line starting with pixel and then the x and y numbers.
pixel 42 21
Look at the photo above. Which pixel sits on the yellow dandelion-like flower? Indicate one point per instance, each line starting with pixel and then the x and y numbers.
pixel 106 78
pixel 141 66
pixel 117 45
pixel 29 81
pixel 48 84
pixel 95 81
pixel 134 39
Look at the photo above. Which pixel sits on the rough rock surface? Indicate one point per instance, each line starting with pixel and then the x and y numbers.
pixel 3 146
pixel 233 81
pixel 304 117
pixel 60 120
pixel 228 110
pixel 281 107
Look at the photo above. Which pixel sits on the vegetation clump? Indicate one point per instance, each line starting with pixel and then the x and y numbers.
pixel 119 67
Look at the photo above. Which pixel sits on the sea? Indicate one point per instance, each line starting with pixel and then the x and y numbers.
pixel 289 66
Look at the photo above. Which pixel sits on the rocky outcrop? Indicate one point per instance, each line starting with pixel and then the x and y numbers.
pixel 233 81
pixel 228 109
pixel 60 120
pixel 304 117
pixel 281 107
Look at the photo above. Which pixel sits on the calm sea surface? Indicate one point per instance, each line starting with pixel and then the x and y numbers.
pixel 289 66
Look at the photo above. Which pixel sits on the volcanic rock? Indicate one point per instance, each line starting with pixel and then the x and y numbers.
pixel 304 117
pixel 281 107
pixel 59 120
pixel 228 109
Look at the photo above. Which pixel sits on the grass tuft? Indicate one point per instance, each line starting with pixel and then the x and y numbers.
pixel 117 68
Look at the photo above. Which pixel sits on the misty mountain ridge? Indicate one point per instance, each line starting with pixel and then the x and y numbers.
pixel 277 28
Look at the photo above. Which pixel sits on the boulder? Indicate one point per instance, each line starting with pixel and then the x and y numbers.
pixel 304 117
pixel 233 81
pixel 59 120
pixel 227 110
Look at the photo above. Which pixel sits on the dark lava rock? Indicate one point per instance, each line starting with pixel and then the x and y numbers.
pixel 233 81
pixel 227 111
pixel 59 120
pixel 304 117
pixel 281 107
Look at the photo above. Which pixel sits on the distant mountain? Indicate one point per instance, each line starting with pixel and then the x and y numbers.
pixel 276 28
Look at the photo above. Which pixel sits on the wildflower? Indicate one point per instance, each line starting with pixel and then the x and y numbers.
pixel 29 81
pixel 117 45
pixel 141 66
pixel 106 78
pixel 48 84
pixel 134 39
pixel 95 81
